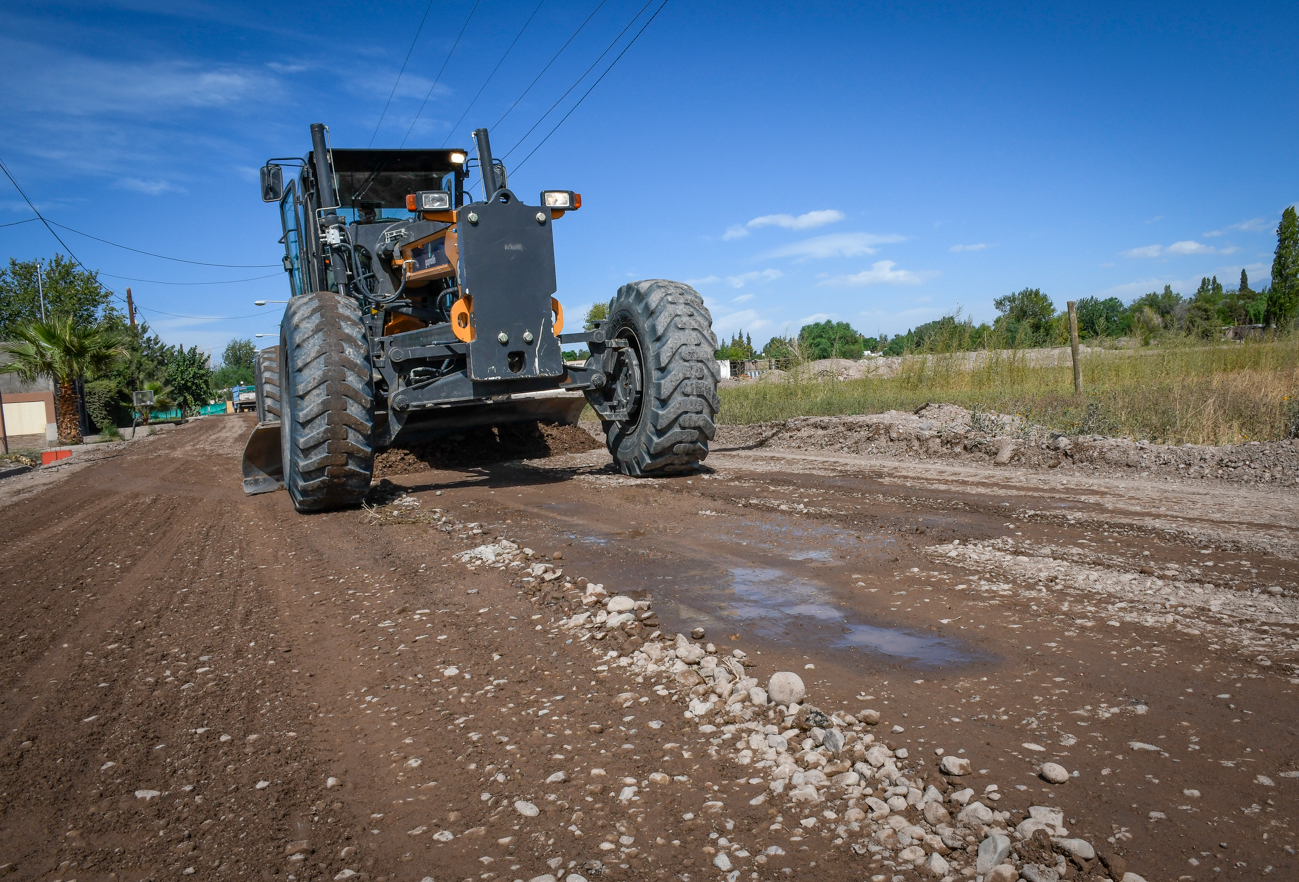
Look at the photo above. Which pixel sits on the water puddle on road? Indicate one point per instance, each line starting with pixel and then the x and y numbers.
pixel 782 608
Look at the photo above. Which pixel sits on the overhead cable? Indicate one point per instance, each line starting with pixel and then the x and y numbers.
pixel 549 63
pixel 161 256
pixel 16 223
pixel 593 85
pixel 440 70
pixel 400 72
pixel 78 262
pixel 160 282
pixel 493 73
pixel 584 73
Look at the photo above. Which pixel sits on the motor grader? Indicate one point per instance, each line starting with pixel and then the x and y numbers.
pixel 416 312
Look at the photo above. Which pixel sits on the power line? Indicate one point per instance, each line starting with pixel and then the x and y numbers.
pixel 440 70
pixel 593 85
pixel 214 318
pixel 160 282
pixel 584 73
pixel 400 72
pixel 160 256
pixel 549 63
pixel 39 216
pixel 16 223
pixel 77 260
pixel 493 73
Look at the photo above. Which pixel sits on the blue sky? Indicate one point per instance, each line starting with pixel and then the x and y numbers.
pixel 883 165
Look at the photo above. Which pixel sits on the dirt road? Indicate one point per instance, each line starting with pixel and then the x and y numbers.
pixel 201 684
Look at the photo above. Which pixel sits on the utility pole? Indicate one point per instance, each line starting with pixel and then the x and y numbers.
pixel 40 289
pixel 130 308
pixel 4 433
pixel 1073 345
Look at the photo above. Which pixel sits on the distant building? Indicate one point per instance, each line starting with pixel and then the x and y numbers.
pixel 28 410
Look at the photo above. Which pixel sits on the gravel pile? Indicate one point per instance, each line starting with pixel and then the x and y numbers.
pixel 945 431
pixel 887 805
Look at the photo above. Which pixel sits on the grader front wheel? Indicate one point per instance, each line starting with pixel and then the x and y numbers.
pixel 669 365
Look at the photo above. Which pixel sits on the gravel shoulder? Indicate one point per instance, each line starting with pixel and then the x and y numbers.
pixel 203 684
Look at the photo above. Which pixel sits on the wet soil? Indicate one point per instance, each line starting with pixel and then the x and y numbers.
pixel 485 445
pixel 185 669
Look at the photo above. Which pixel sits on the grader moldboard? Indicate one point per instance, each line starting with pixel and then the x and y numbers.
pixel 415 313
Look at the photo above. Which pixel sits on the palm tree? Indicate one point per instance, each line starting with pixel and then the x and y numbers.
pixel 63 352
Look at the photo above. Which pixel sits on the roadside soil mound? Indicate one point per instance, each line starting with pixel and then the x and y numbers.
pixel 945 431
pixel 485 445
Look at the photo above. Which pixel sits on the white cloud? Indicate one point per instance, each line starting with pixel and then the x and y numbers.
pixel 766 275
pixel 806 221
pixel 1253 225
pixel 1144 251
pixel 1189 247
pixel 743 298
pixel 706 280
pixel 802 222
pixel 1155 219
pixel 748 320
pixel 955 249
pixel 835 245
pixel 817 317
pixel 149 188
pixel 882 272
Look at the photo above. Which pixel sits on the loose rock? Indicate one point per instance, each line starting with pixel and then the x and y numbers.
pixel 955 766
pixel 786 687
pixel 1053 773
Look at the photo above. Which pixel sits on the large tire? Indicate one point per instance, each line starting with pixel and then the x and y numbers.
pixel 671 332
pixel 267 371
pixel 327 419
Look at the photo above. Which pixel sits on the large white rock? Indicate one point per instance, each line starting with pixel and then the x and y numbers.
pixel 621 603
pixel 1054 773
pixel 937 866
pixel 992 851
pixel 955 765
pixel 758 696
pixel 786 687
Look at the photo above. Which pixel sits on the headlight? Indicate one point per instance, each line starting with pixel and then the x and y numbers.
pixel 429 200
pixel 458 158
pixel 560 200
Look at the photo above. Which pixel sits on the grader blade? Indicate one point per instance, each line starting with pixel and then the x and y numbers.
pixel 263 466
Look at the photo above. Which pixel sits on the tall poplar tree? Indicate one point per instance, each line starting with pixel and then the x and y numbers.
pixel 1283 299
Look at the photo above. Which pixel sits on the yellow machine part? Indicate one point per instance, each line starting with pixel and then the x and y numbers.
pixel 462 319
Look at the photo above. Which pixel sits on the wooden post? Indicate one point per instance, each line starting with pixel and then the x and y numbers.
pixel 1073 346
pixel 4 433
pixel 130 308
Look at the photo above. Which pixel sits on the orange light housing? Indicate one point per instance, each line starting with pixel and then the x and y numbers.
pixel 577 201
pixel 410 201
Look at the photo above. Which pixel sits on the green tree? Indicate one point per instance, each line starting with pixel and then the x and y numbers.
pixel 740 348
pixel 1283 300
pixel 63 351
pixel 1025 316
pixel 831 340
pixel 236 365
pixel 597 313
pixel 70 291
pixel 780 348
pixel 1102 318
pixel 1163 304
pixel 189 377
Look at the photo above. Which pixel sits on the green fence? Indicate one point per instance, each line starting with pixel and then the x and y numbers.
pixel 175 414
pixel 210 409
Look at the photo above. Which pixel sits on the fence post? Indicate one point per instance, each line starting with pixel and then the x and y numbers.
pixel 1073 346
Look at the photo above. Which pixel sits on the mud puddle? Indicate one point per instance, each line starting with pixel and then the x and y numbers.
pixel 759 580
pixel 779 607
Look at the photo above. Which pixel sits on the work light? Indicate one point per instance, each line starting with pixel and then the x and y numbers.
pixel 561 200
pixel 429 200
